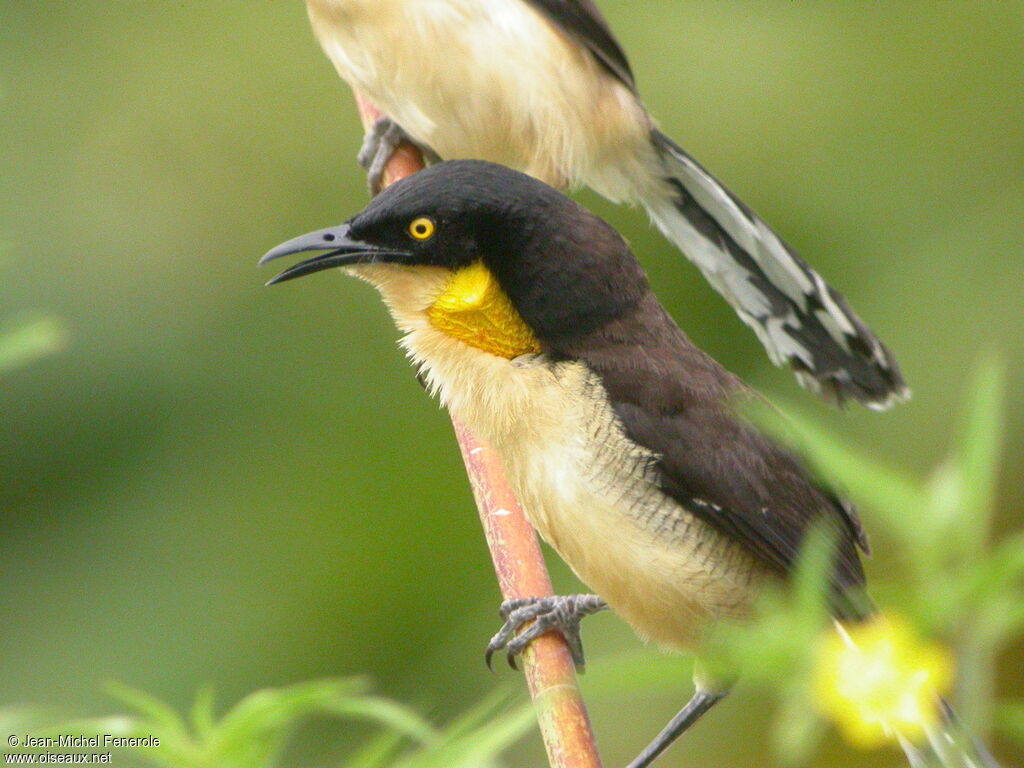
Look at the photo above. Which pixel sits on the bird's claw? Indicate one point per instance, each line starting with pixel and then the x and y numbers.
pixel 379 144
pixel 563 613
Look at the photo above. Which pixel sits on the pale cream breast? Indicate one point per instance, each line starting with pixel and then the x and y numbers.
pixel 491 80
pixel 594 496
pixel 590 492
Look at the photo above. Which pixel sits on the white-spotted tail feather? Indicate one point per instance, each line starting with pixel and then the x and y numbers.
pixel 799 318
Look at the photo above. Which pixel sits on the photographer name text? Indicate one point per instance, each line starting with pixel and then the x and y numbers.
pixel 68 741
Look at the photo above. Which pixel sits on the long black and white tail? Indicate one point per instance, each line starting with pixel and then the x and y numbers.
pixel 799 318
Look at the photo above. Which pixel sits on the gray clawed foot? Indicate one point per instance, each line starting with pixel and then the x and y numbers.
pixel 563 613
pixel 379 145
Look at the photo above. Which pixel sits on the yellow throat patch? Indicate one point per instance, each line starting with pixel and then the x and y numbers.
pixel 473 309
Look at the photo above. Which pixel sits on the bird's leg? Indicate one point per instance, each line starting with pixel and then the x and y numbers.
pixel 701 702
pixel 379 144
pixel 563 612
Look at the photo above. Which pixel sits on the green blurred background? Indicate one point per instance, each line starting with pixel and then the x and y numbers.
pixel 215 482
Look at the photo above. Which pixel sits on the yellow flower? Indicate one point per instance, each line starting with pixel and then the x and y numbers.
pixel 877 680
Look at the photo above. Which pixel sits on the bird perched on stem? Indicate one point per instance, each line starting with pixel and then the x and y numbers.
pixel 533 322
pixel 543 86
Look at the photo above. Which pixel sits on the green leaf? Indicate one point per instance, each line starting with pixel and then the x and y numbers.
pixel 813 574
pixel 999 573
pixel 159 715
pixel 255 730
pixel 398 717
pixel 201 715
pixel 20 719
pixel 486 709
pixel 378 752
pixel 770 647
pixel 978 457
pixel 895 500
pixel 176 750
pixel 476 747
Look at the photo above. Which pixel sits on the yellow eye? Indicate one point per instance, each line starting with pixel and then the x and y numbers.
pixel 421 228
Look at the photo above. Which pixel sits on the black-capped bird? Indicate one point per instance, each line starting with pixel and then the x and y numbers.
pixel 544 87
pixel 533 322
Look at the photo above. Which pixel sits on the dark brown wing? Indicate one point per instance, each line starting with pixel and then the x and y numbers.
pixel 674 400
pixel 581 20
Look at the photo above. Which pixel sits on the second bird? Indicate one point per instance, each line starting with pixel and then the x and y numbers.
pixel 543 86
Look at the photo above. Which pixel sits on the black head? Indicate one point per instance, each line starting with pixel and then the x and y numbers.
pixel 565 270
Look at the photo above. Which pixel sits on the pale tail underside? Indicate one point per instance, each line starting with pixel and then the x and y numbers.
pixel 800 319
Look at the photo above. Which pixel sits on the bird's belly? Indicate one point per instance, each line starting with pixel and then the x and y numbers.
pixel 590 492
pixel 594 497
pixel 490 80
pixel 662 569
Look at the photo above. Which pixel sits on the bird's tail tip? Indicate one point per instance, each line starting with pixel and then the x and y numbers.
pixel 801 320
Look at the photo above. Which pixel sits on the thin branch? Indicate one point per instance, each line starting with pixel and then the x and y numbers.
pixel 518 563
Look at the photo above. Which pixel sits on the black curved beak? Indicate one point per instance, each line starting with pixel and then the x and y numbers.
pixel 343 251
